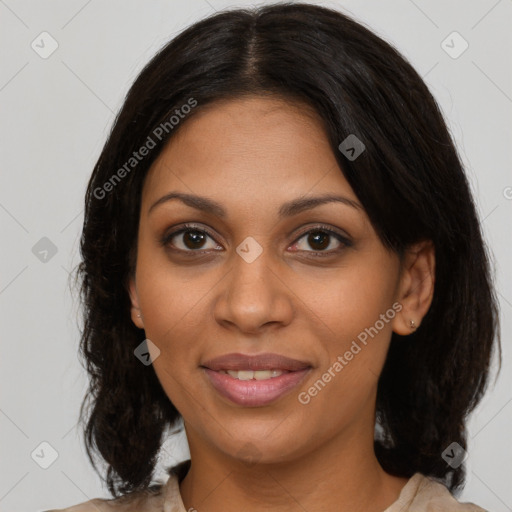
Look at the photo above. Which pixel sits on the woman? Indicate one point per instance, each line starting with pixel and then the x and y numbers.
pixel 280 248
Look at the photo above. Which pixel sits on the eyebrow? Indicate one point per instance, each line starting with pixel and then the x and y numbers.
pixel 288 209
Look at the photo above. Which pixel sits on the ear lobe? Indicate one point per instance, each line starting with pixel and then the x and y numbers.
pixel 416 287
pixel 134 299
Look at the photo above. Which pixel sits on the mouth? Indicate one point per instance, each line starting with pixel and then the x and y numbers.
pixel 254 374
pixel 254 381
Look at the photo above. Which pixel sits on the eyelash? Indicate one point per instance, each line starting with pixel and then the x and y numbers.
pixel 320 228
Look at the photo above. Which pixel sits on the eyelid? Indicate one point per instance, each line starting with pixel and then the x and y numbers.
pixel 342 237
pixel 345 237
pixel 168 235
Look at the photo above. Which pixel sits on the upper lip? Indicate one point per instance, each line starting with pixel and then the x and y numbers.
pixel 265 361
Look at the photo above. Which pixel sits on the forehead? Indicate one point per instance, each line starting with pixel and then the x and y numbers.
pixel 249 149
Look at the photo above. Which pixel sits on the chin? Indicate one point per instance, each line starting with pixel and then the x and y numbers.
pixel 262 447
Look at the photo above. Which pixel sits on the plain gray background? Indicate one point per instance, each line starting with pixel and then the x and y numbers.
pixel 55 114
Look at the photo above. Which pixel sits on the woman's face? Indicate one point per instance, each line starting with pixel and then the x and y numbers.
pixel 266 278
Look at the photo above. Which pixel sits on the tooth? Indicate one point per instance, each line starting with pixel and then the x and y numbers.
pixel 241 374
pixel 245 374
pixel 262 374
pixel 253 374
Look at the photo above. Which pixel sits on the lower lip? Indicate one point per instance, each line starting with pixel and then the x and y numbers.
pixel 254 393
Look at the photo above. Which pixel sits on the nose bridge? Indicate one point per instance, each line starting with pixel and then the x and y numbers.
pixel 250 278
pixel 252 295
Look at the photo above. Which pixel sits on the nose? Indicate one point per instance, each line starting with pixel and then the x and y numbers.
pixel 252 297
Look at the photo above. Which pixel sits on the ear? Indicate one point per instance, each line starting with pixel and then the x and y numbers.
pixel 416 287
pixel 134 298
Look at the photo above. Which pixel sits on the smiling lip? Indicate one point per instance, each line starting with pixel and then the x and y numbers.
pixel 254 393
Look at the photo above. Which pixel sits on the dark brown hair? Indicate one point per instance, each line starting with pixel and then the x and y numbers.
pixel 409 179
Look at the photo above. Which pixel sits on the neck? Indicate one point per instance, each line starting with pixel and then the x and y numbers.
pixel 342 475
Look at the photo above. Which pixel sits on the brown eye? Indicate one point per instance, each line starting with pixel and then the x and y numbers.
pixel 321 241
pixel 318 240
pixel 194 239
pixel 189 239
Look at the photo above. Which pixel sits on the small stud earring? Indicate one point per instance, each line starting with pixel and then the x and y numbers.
pixel 138 314
pixel 412 325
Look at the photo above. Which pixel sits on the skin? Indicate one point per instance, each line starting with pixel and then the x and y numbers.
pixel 251 155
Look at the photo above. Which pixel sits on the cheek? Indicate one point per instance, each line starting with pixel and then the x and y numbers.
pixel 355 306
pixel 171 298
pixel 354 298
pixel 354 351
pixel 171 306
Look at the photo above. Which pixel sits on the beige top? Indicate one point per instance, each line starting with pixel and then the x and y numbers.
pixel 420 494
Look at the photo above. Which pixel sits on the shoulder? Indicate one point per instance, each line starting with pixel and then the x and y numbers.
pixel 94 505
pixel 424 494
pixel 155 499
pixel 144 501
